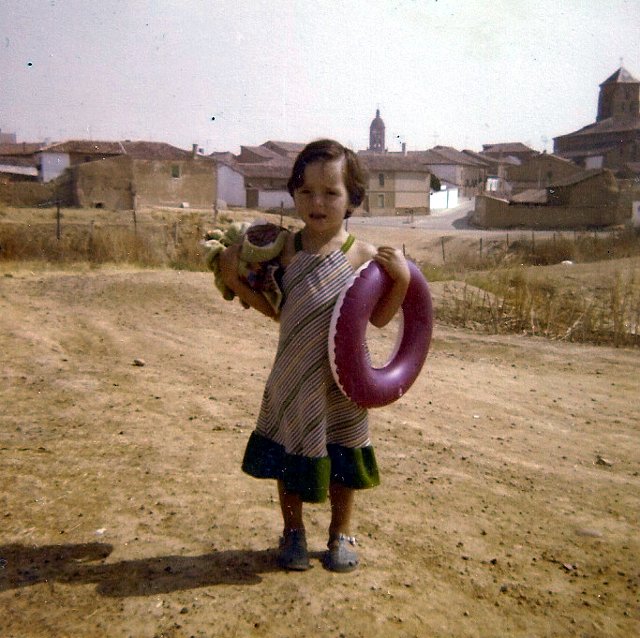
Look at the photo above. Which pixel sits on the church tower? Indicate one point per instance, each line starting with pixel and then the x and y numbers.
pixel 376 134
pixel 619 96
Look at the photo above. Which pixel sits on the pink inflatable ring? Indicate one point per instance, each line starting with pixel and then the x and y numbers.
pixel 364 384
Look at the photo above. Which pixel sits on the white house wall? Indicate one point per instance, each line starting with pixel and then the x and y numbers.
pixel 52 165
pixel 273 199
pixel 231 187
pixel 446 198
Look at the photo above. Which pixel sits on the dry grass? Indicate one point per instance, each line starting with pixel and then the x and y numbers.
pixel 597 302
pixel 153 238
pixel 493 285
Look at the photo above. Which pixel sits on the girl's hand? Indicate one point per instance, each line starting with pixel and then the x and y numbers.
pixel 394 263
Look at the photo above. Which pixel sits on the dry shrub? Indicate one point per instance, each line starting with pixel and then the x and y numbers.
pixel 500 288
pixel 577 247
pixel 507 301
pixel 148 245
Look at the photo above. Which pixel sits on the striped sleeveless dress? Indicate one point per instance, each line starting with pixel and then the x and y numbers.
pixel 308 433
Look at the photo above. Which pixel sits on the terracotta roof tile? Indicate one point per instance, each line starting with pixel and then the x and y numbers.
pixel 609 125
pixel 23 148
pixel 392 162
pixel 579 177
pixel 275 170
pixel 454 156
pixel 154 151
pixel 507 148
pixel 88 147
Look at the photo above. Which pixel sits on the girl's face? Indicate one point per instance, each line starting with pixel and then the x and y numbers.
pixel 322 200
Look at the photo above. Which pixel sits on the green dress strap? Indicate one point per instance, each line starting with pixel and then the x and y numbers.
pixel 348 242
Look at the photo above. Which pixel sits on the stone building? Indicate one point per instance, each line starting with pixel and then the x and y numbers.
pixel 613 140
pixel 397 184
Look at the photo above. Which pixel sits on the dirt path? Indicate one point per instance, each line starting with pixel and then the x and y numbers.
pixel 509 504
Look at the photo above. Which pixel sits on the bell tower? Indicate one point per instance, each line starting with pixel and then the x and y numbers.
pixel 619 96
pixel 376 134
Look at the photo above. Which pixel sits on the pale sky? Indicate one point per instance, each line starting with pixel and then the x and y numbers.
pixel 225 73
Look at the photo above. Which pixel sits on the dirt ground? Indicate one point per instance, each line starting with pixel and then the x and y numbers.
pixel 509 502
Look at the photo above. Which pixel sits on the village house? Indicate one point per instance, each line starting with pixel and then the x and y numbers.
pixel 517 150
pixel 589 199
pixel 257 177
pixel 266 184
pixel 105 174
pixel 456 172
pixel 17 160
pixel 19 178
pixel 495 171
pixel 397 184
pixel 539 171
pixel 55 159
pixel 455 167
pixel 231 188
pixel 144 174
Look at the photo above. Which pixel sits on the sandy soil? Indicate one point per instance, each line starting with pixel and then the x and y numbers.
pixel 509 504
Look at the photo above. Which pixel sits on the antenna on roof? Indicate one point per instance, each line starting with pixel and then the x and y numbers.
pixel 621 61
pixel 544 140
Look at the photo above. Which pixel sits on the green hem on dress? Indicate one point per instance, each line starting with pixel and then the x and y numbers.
pixel 310 477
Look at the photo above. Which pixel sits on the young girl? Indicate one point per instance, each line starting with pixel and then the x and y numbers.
pixel 309 436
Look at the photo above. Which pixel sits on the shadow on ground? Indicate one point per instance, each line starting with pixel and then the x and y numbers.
pixel 23 565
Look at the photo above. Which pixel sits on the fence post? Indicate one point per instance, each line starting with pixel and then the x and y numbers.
pixel 58 216
pixel 442 242
pixel 480 247
pixel 533 243
pixel 90 250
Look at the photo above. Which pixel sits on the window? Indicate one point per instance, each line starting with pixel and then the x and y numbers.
pixel 175 170
pixel 380 201
pixel 381 179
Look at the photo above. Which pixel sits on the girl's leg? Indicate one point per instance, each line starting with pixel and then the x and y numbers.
pixel 293 544
pixel 341 555
pixel 342 498
pixel 291 506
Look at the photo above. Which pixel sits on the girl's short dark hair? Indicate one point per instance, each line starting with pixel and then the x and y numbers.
pixel 328 151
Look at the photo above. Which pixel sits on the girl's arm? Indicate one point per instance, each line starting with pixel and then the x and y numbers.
pixel 394 263
pixel 229 270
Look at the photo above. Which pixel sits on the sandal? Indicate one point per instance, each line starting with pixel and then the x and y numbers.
pixel 293 550
pixel 341 557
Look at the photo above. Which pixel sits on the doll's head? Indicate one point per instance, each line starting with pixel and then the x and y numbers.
pixel 329 151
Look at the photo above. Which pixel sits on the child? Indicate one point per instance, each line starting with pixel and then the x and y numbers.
pixel 309 436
